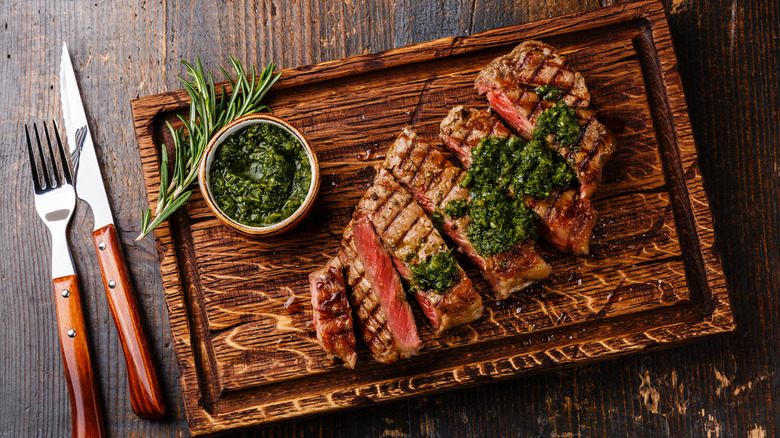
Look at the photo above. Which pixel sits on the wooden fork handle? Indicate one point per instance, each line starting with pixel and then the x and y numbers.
pixel 86 413
pixel 145 394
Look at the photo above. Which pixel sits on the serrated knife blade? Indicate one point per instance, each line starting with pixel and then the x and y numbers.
pixel 89 180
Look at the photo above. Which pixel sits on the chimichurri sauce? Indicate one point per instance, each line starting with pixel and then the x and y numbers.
pixel 560 121
pixel 497 221
pixel 456 208
pixel 549 92
pixel 260 175
pixel 436 273
pixel 503 171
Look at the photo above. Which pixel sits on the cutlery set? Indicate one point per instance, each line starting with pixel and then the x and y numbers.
pixel 55 192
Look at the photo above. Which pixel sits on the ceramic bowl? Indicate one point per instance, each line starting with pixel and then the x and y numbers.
pixel 208 158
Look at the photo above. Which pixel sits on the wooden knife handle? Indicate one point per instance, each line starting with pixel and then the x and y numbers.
pixel 86 413
pixel 145 394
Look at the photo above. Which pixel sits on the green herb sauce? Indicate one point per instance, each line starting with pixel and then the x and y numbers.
pixel 524 168
pixel 549 92
pixel 559 121
pixel 456 208
pixel 497 221
pixel 260 175
pixel 438 220
pixel 436 273
pixel 503 171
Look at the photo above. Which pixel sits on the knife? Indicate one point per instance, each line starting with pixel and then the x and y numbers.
pixel 145 393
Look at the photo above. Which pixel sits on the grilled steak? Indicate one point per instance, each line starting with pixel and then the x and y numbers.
pixel 434 182
pixel 511 84
pixel 463 129
pixel 377 294
pixel 331 313
pixel 565 219
pixel 405 229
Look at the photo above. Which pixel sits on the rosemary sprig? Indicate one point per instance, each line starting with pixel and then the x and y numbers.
pixel 208 114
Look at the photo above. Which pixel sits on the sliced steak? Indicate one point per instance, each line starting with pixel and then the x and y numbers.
pixel 377 295
pixel 434 182
pixel 463 129
pixel 331 313
pixel 565 219
pixel 413 240
pixel 510 84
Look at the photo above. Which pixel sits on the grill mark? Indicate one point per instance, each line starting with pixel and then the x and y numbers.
pixel 453 187
pixel 576 146
pixel 532 115
pixel 406 231
pixel 442 181
pixel 397 215
pixel 541 68
pixel 438 178
pixel 422 162
pixel 385 199
pixel 582 133
pixel 404 160
pixel 380 205
pixel 589 157
pixel 525 60
pixel 550 206
pixel 553 81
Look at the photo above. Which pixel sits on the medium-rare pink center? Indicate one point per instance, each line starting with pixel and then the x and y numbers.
pixel 507 110
pixel 386 283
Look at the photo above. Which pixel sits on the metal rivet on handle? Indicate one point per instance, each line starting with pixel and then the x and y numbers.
pixel 112 284
pixel 65 293
pixel 102 245
pixel 72 333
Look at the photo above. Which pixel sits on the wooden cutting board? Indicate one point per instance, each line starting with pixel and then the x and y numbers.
pixel 239 307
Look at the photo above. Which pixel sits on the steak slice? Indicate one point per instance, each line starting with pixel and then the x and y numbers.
pixel 434 182
pixel 510 84
pixel 377 295
pixel 565 219
pixel 413 240
pixel 331 313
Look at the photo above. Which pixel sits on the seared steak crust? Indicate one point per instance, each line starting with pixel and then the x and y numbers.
pixel 412 239
pixel 463 129
pixel 509 83
pixel 331 313
pixel 529 65
pixel 565 219
pixel 372 314
pixel 434 182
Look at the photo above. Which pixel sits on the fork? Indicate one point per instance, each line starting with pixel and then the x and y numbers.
pixel 55 200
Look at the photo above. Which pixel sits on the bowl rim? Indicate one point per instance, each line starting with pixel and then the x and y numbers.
pixel 220 137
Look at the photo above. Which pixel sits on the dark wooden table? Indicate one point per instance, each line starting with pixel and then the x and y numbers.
pixel 729 55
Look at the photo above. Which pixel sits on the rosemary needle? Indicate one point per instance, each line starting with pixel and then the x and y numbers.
pixel 208 114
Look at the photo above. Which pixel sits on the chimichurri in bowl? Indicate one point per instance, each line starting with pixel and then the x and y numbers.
pixel 259 175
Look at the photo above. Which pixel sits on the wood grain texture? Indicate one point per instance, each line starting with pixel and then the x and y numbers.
pixel 85 407
pixel 257 361
pixel 145 392
pixel 725 386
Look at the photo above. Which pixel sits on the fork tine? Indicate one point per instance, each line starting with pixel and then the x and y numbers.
pixel 34 168
pixel 46 180
pixel 55 168
pixel 63 159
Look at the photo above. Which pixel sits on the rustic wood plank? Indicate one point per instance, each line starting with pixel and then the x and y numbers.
pixel 35 400
pixel 726 50
pixel 241 337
